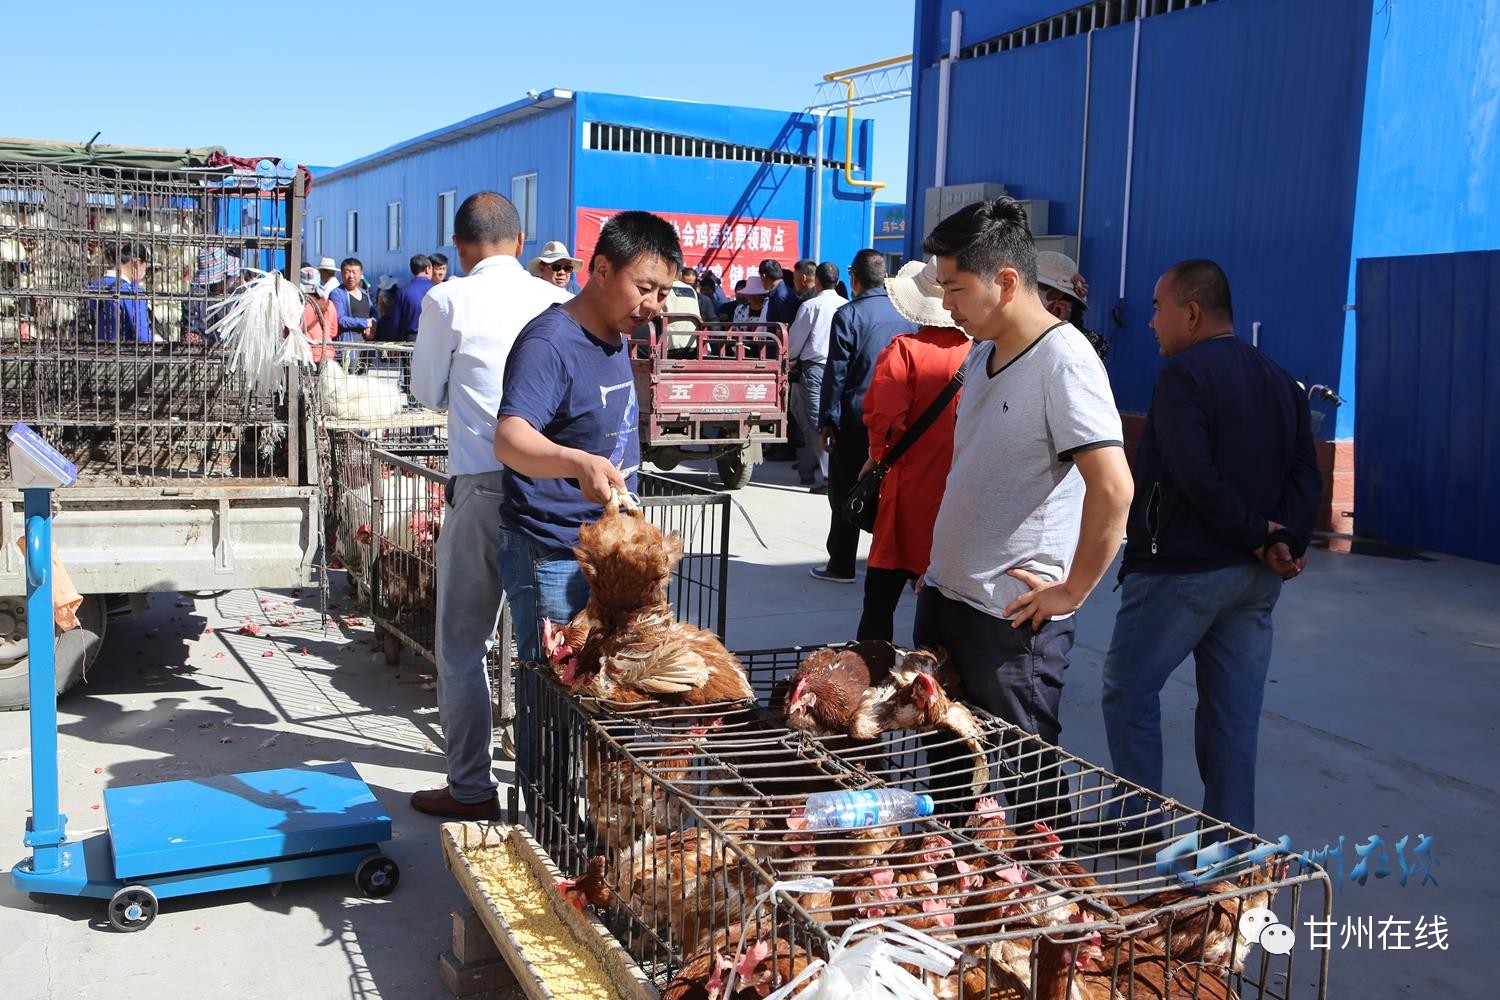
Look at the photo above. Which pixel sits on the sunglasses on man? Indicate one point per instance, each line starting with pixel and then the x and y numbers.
pixel 562 266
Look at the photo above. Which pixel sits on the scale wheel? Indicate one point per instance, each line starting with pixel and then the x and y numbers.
pixel 132 908
pixel 377 876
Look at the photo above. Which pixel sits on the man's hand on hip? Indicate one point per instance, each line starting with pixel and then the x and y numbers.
pixel 1047 599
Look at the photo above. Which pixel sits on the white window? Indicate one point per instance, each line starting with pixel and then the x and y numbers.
pixel 351 232
pixel 317 237
pixel 447 205
pixel 393 225
pixel 523 196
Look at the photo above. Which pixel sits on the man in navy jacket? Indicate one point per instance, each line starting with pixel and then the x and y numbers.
pixel 861 330
pixel 1226 494
pixel 407 313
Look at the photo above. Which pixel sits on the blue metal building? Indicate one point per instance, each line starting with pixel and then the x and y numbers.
pixel 1286 139
pixel 739 182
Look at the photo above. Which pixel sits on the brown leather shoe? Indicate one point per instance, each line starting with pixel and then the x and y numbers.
pixel 440 802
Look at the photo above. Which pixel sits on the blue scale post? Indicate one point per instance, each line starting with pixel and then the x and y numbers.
pixel 175 838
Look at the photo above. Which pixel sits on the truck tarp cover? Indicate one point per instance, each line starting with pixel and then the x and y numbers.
pixel 128 157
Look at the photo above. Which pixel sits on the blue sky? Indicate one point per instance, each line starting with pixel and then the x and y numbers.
pixel 359 77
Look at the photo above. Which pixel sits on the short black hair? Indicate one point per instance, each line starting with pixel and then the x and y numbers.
pixel 806 268
pixel 438 259
pixel 1201 281
pixel 420 262
pixel 740 284
pixel 770 270
pixel 631 235
pixel 708 278
pixel 688 270
pixel 124 253
pixel 828 275
pixel 985 237
pixel 351 260
pixel 868 268
pixel 486 217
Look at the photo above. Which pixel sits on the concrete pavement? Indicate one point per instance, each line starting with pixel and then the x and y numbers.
pixel 1380 719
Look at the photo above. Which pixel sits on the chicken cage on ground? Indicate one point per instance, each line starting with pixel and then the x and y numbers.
pixel 681 822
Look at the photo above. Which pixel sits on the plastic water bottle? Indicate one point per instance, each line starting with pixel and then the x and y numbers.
pixel 870 807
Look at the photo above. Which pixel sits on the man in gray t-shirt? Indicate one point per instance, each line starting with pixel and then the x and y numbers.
pixel 1036 499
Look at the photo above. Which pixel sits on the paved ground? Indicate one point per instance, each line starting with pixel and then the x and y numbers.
pixel 1380 719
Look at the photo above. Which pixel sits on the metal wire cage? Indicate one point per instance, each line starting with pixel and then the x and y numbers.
pixel 1048 883
pixel 108 281
pixel 367 388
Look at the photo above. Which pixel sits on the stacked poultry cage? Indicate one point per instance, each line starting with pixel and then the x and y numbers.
pixel 686 828
pixel 105 346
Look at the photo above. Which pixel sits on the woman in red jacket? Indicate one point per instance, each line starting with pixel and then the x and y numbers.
pixel 909 376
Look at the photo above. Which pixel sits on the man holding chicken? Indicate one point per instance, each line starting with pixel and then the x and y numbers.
pixel 568 430
pixel 465 333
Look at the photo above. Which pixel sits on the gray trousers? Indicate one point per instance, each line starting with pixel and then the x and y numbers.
pixel 468 610
pixel 807 397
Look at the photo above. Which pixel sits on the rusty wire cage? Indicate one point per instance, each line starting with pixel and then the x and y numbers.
pixel 109 279
pixel 694 810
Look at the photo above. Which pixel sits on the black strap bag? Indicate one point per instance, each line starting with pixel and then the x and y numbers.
pixel 863 502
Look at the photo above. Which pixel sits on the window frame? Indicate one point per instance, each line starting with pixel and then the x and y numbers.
pixel 351 231
pixel 391 244
pixel 447 208
pixel 526 208
pixel 317 240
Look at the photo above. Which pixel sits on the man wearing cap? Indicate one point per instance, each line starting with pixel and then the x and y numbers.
pixel 859 332
pixel 555 264
pixel 406 310
pixel 1226 498
pixel 466 330
pixel 807 347
pixel 1065 294
pixel 328 273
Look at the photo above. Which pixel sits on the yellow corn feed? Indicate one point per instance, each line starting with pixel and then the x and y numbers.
pixel 565 966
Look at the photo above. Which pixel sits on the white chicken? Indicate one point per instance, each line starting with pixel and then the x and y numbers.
pixel 359 397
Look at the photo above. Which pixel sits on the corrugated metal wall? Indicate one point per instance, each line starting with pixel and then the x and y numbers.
pixel 1429 170
pixel 487 160
pixel 1244 152
pixel 1427 456
pixel 724 187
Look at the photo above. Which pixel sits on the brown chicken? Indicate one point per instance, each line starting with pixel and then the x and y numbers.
pixel 1043 850
pixel 625 802
pixel 408 575
pixel 872 687
pixel 630 648
pixel 686 884
pixel 591 888
pixel 1095 969
pixel 1209 932
pixel 758 969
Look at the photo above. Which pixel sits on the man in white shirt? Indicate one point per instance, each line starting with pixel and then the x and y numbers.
pixel 807 347
pixel 464 336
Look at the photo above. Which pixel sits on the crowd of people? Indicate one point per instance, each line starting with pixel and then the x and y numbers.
pixel 966 382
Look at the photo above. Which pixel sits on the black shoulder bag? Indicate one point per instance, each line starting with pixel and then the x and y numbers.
pixel 863 502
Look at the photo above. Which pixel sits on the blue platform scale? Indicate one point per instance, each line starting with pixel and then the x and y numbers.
pixel 175 838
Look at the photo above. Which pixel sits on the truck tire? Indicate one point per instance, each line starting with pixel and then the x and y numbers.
pixel 76 649
pixel 735 469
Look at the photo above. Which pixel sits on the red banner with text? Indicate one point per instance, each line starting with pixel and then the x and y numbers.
pixel 733 248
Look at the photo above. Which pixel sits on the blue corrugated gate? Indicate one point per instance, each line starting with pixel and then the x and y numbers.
pixel 1427 432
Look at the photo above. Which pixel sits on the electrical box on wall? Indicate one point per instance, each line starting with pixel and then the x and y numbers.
pixel 942 202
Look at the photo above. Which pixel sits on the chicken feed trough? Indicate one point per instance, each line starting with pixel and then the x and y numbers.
pixel 691 817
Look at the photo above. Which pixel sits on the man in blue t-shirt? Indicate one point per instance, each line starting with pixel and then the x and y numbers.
pixel 120 311
pixel 568 419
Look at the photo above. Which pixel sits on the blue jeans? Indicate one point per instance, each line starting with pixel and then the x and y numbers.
pixel 539 584
pixel 1223 618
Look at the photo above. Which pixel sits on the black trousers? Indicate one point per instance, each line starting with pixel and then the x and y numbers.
pixel 883 589
pixel 844 462
pixel 1016 674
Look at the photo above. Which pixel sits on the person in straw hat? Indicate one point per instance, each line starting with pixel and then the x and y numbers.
pixel 320 320
pixel 909 376
pixel 555 264
pixel 217 269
